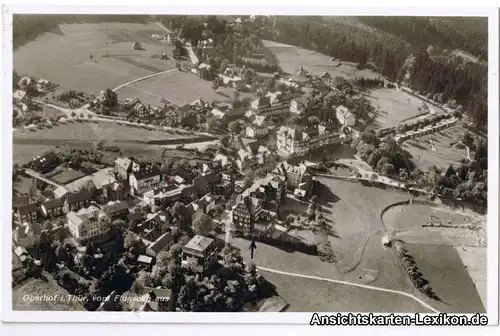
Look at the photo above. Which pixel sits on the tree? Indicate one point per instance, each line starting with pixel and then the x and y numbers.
pixel 202 224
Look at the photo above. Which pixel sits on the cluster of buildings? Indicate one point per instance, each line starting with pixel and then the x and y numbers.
pixel 300 140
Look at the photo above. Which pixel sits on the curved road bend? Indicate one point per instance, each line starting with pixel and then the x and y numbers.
pixel 347 283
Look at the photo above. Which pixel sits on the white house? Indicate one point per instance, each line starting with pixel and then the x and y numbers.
pixel 88 224
pixel 258 128
pixel 296 106
pixel 28 234
pixel 291 140
pixel 345 117
pixel 143 179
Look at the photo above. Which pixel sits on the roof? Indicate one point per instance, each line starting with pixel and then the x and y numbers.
pixel 113 207
pixel 23 230
pixel 161 242
pixel 123 162
pixel 145 259
pixel 103 178
pixel 224 159
pixel 84 214
pixel 259 121
pixel 19 251
pixel 60 191
pixel 146 172
pixel 19 94
pixel 134 216
pixel 343 111
pixel 84 195
pixel 211 178
pixel 53 203
pixel 299 192
pixel 18 201
pixel 199 243
pixel 28 208
pixel 263 101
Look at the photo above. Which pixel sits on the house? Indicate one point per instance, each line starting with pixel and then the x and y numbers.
pixel 123 167
pixel 224 161
pixel 52 208
pixel 297 106
pixel 292 140
pixel 116 209
pixel 169 194
pixel 28 234
pixel 200 253
pixel 76 201
pixel 211 167
pixel 28 212
pixel 325 75
pixel 19 201
pixel 205 184
pixel 246 212
pixel 44 163
pixel 20 96
pixel 88 224
pixel 258 128
pixel 345 117
pixel 143 179
pixel 296 176
pixel 135 218
pixel 115 192
pixel 205 70
pixel 103 180
pixel 22 253
pixel 144 259
pixel 162 243
pixel 204 205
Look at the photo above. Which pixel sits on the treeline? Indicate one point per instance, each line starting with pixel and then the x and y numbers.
pixel 27 27
pixel 469 34
pixel 466 84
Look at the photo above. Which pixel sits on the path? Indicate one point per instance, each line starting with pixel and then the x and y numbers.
pixel 192 56
pixel 142 78
pixel 40 177
pixel 347 283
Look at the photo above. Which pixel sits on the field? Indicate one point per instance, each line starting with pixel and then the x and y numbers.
pixel 444 155
pixel 308 295
pixel 38 288
pixel 393 106
pixel 178 87
pixel 62 56
pixel 291 57
pixel 448 277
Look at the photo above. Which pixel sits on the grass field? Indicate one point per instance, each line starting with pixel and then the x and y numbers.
pixel 444 155
pixel 448 277
pixel 291 57
pixel 39 288
pixel 62 56
pixel 308 295
pixel 393 106
pixel 178 87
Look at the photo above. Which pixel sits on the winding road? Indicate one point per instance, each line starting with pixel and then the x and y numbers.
pixel 347 283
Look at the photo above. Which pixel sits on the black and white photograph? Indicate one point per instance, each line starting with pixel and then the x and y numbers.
pixel 247 163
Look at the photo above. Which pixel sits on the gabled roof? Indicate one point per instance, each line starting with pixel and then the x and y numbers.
pixel 146 172
pixel 84 195
pixel 259 121
pixel 19 201
pixel 113 207
pixel 103 178
pixel 123 162
pixel 53 203
pixel 28 208
pixel 199 243
pixel 211 178
pixel 19 94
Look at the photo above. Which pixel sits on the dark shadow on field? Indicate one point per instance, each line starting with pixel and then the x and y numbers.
pixel 325 195
pixel 417 145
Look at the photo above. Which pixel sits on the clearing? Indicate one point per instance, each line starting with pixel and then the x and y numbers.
pixel 38 288
pixel 62 56
pixel 309 295
pixel 291 57
pixel 176 86
pixel 444 155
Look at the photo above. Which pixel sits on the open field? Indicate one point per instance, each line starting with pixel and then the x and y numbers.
pixel 393 106
pixel 308 295
pixel 291 57
pixel 38 288
pixel 178 87
pixel 444 155
pixel 448 277
pixel 62 56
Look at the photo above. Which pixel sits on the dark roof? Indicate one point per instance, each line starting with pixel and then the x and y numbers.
pixel 28 208
pixel 161 242
pixel 135 216
pixel 115 207
pixel 147 172
pixel 77 197
pixel 254 146
pixel 211 178
pixel 53 203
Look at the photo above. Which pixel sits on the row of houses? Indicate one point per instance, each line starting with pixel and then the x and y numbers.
pixel 300 140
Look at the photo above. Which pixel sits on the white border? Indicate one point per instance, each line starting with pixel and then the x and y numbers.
pixel 242 318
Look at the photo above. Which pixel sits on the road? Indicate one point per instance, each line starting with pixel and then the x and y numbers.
pixel 347 283
pixel 40 177
pixel 192 56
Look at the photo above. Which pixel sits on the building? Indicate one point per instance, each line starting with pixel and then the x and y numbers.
pixel 20 96
pixel 205 184
pixel 28 234
pixel 345 117
pixel 169 194
pixel 212 167
pixel 325 75
pixel 88 224
pixel 44 163
pixel 52 208
pixel 144 179
pixel 258 128
pixel 116 209
pixel 225 162
pixel 292 140
pixel 164 242
pixel 272 104
pixel 123 167
pixel 297 106
pixel 75 202
pixel 200 253
pixel 246 212
pixel 28 212
pixel 103 181
pixel 296 176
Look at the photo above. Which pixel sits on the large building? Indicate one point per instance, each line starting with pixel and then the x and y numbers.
pixel 123 167
pixel 258 128
pixel 88 224
pixel 169 194
pixel 200 253
pixel 275 103
pixel 345 117
pixel 300 140
pixel 296 176
pixel 246 212
pixel 143 179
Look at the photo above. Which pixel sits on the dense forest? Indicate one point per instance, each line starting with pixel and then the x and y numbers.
pixel 450 79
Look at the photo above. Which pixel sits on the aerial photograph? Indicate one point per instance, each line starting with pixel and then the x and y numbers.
pixel 249 163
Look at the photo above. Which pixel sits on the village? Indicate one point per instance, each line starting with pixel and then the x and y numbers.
pixel 243 157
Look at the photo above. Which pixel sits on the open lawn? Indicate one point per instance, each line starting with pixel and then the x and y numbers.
pixel 62 56
pixel 393 106
pixel 66 176
pixel 448 277
pixel 176 86
pixel 38 288
pixel 291 57
pixel 444 155
pixel 308 295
